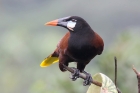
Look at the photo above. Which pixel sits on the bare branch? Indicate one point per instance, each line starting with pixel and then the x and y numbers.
pixel 83 76
pixel 135 70
pixel 138 77
pixel 115 71
pixel 116 75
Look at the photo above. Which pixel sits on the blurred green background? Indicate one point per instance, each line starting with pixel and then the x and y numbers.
pixel 25 42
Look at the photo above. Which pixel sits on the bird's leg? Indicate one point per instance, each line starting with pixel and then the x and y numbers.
pixel 88 79
pixel 75 74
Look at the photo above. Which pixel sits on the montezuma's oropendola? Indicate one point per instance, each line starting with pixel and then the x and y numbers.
pixel 80 44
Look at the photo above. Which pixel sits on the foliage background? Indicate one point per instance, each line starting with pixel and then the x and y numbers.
pixel 25 42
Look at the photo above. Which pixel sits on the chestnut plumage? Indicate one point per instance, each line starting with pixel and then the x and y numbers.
pixel 80 44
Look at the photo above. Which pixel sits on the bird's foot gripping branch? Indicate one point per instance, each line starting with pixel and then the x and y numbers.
pixel 88 79
pixel 100 82
pixel 83 76
pixel 75 74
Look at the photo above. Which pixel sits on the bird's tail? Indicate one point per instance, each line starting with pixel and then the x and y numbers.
pixel 48 61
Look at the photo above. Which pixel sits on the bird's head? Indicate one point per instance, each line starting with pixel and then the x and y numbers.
pixel 72 23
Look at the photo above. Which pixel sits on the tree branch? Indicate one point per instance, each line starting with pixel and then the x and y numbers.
pixel 115 59
pixel 138 77
pixel 115 71
pixel 83 76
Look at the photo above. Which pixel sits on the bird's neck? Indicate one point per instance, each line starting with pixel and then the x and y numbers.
pixel 86 32
pixel 82 31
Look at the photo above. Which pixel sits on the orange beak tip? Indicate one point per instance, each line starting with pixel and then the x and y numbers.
pixel 46 24
pixel 52 23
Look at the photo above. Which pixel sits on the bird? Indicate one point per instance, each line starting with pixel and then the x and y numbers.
pixel 80 44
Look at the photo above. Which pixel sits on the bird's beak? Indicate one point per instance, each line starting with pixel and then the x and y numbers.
pixel 58 22
pixel 52 23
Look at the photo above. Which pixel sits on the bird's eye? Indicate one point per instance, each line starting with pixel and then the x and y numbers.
pixel 73 20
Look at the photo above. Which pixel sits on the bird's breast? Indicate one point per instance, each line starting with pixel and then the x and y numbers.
pixel 81 51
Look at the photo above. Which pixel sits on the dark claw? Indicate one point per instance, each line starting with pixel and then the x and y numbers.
pixel 75 75
pixel 88 79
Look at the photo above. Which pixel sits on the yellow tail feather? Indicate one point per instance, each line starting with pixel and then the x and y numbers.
pixel 48 61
